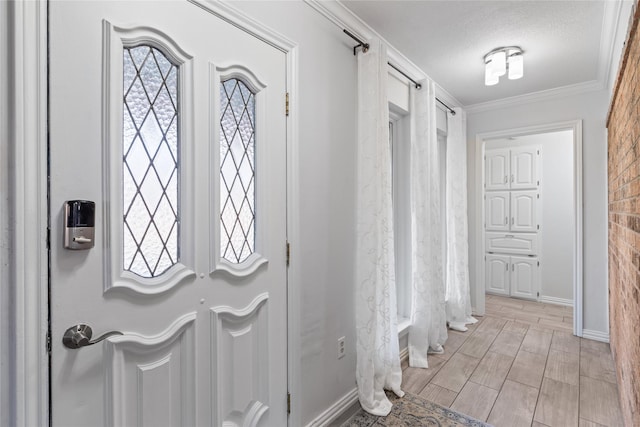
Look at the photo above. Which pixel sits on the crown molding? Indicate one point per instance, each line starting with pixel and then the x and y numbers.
pixel 625 18
pixel 543 95
pixel 615 81
pixel 343 18
pixel 608 35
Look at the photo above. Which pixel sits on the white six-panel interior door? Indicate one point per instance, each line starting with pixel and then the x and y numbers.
pixel 172 121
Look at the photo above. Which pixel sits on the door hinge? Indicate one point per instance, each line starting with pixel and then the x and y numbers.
pixel 288 403
pixel 538 263
pixel 538 294
pixel 538 226
pixel 287 104
pixel 48 341
pixel 538 195
pixel 288 254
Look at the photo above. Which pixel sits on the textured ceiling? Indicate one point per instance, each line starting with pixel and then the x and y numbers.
pixel 448 39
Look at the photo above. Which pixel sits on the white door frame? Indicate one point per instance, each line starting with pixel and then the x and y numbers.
pixel 576 127
pixel 24 396
pixel 25 400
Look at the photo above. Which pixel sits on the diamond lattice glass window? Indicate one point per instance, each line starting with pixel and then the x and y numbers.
pixel 237 171
pixel 150 168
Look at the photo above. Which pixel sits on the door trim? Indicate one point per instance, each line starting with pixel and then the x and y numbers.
pixel 25 400
pixel 576 127
pixel 26 396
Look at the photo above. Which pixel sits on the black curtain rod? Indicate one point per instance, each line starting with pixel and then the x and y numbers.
pixel 365 47
pixel 419 86
pixel 453 113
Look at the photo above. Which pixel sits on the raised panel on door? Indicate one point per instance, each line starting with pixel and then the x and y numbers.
pixel 524 277
pixel 514 243
pixel 497 274
pixel 150 381
pixel 497 210
pixel 524 211
pixel 496 169
pixel 178 134
pixel 524 167
pixel 240 343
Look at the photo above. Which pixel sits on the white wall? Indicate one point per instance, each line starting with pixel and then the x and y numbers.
pixel 324 255
pixel 5 294
pixel 557 222
pixel 327 170
pixel 592 109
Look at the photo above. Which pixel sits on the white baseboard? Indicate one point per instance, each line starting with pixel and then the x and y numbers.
pixel 335 410
pixel 341 406
pixel 595 335
pixel 557 301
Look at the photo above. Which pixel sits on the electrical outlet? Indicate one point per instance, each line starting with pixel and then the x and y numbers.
pixel 341 348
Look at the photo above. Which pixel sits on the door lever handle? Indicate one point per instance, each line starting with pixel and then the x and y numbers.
pixel 80 336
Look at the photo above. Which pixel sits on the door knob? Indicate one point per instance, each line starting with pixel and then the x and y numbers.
pixel 80 336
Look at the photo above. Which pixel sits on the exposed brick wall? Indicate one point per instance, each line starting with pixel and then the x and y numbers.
pixel 624 227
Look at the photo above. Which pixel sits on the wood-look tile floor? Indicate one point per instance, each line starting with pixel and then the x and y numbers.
pixel 520 365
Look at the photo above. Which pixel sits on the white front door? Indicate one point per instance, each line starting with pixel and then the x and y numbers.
pixel 172 120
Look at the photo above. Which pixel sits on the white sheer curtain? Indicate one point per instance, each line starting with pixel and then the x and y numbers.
pixel 428 330
pixel 378 355
pixel 458 295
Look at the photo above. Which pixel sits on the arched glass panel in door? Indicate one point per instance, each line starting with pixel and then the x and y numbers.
pixel 237 171
pixel 150 162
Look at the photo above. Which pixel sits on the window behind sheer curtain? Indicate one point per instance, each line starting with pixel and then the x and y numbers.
pixel 442 153
pixel 400 163
pixel 401 214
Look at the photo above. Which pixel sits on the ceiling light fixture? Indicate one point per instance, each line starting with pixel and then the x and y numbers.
pixel 501 61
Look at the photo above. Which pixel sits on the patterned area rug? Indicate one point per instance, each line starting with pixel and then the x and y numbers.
pixel 414 411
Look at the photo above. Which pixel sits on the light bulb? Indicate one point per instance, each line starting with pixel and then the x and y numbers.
pixel 499 63
pixel 490 78
pixel 516 66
